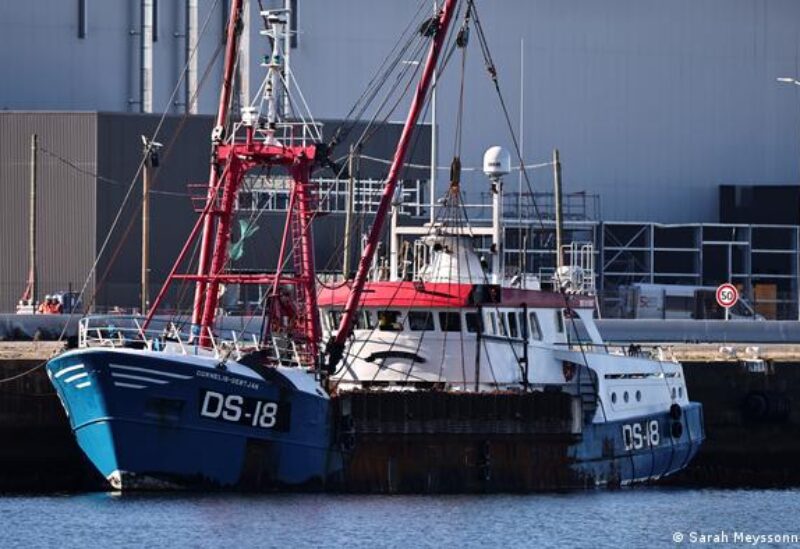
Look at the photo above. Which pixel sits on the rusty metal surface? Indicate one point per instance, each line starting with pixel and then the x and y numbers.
pixel 459 413
pixel 432 442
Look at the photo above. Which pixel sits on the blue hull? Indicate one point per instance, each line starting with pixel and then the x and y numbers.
pixel 151 422
pixel 638 449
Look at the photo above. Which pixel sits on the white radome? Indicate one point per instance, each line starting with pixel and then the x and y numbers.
pixel 496 162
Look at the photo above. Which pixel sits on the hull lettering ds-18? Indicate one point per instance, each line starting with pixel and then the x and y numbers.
pixel 237 409
pixel 640 435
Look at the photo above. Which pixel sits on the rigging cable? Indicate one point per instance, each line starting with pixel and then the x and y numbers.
pixel 128 194
pixel 492 70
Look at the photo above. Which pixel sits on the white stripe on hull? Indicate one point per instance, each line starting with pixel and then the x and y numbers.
pixel 140 378
pixel 70 379
pixel 129 385
pixel 70 369
pixel 148 371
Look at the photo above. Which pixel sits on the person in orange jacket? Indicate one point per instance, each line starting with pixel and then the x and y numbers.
pixel 51 306
pixel 43 308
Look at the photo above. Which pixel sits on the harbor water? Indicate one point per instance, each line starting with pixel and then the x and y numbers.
pixel 637 517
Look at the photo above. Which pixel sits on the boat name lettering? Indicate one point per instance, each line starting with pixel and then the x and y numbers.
pixel 636 436
pixel 228 379
pixel 252 412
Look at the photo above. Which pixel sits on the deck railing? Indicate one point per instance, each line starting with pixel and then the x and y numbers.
pixel 167 335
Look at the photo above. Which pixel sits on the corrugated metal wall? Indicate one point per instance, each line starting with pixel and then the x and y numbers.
pixel 184 159
pixel 66 196
pixel 88 164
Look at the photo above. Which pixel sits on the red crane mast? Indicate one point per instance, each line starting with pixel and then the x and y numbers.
pixel 335 348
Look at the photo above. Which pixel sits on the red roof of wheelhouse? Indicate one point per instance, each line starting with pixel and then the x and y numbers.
pixel 444 295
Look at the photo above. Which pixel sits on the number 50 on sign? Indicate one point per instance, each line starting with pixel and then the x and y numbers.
pixel 727 295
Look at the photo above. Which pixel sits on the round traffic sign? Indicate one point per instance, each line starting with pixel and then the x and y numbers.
pixel 727 295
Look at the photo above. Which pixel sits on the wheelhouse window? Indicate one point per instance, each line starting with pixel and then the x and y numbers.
pixel 492 323
pixel 535 329
pixel 334 318
pixel 390 321
pixel 512 325
pixel 450 322
pixel 473 322
pixel 419 321
pixel 364 321
pixel 559 322
pixel 502 324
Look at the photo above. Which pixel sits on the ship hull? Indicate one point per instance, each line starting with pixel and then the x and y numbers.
pixel 503 442
pixel 638 449
pixel 148 422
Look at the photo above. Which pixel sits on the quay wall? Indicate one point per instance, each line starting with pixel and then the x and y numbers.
pixel 752 417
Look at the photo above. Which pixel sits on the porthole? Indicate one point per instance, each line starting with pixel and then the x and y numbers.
pixel 674 393
pixel 613 398
pixel 680 392
pixel 638 396
pixel 625 396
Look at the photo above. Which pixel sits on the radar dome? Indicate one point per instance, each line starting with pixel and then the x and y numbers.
pixel 496 162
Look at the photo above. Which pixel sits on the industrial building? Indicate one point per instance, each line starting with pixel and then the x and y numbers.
pixel 89 201
pixel 674 133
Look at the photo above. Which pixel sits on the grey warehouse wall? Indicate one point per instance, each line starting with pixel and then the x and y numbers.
pixel 65 205
pixel 653 103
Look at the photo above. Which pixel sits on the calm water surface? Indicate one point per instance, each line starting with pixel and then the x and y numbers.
pixel 640 517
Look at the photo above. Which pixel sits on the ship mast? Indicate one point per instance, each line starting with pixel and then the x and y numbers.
pixel 335 348
pixel 262 138
pixel 206 250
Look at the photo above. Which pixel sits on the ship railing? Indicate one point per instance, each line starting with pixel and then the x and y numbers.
pixel 633 350
pixel 123 331
pixel 295 133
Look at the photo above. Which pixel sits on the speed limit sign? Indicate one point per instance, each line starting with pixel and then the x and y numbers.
pixel 727 295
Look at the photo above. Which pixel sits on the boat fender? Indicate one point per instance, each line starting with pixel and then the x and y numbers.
pixel 766 406
pixel 676 429
pixel 675 411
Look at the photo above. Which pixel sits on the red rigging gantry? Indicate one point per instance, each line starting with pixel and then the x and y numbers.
pixel 231 159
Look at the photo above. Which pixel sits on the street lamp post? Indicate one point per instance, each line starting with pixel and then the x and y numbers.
pixel 788 80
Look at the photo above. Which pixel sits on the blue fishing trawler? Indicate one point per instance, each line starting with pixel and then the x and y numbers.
pixel 182 402
pixel 186 417
pixel 444 358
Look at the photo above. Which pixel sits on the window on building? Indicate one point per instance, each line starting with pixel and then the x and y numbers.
pixel 155 20
pixel 679 303
pixel 450 322
pixel 390 321
pixel 420 321
pixel 535 329
pixel 473 322
pixel 244 200
pixel 82 18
